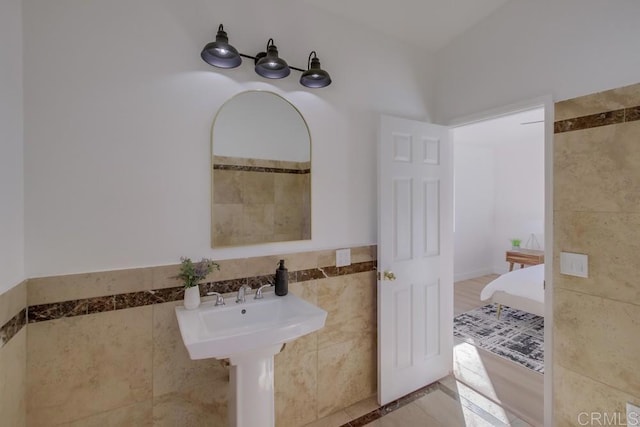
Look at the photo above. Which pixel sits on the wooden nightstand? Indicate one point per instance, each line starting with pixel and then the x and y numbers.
pixel 524 257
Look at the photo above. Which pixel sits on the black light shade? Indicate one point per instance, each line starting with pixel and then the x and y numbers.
pixel 220 53
pixel 315 76
pixel 269 65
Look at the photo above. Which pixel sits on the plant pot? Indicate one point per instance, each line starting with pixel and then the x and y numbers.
pixel 192 297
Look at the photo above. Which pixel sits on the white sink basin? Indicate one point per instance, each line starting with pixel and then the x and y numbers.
pixel 235 329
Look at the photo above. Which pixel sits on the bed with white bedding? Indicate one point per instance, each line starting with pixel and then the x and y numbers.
pixel 521 289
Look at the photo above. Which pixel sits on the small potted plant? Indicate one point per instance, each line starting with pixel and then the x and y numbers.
pixel 515 244
pixel 191 274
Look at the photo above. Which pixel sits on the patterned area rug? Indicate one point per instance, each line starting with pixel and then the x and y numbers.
pixel 517 336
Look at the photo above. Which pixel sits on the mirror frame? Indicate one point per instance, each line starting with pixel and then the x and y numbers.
pixel 211 169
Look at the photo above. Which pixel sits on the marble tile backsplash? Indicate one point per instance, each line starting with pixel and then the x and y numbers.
pixel 105 346
pixel 98 304
pixel 597 212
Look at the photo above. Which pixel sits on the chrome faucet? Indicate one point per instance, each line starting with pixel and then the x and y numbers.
pixel 259 291
pixel 219 298
pixel 242 292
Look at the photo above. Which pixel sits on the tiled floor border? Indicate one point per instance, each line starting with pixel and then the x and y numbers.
pixel 605 118
pixel 71 308
pixel 411 397
pixel 392 406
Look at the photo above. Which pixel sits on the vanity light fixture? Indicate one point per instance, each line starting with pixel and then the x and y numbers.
pixel 267 64
pixel 220 53
pixel 314 76
pixel 270 65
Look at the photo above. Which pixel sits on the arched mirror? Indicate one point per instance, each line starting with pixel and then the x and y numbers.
pixel 261 178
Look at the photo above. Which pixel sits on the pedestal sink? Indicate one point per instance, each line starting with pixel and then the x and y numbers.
pixel 249 334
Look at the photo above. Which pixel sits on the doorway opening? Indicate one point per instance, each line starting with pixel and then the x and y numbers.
pixel 499 225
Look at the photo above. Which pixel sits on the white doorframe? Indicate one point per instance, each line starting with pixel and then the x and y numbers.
pixel 548 104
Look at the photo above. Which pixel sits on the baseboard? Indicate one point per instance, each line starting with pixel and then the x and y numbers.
pixel 501 269
pixel 472 274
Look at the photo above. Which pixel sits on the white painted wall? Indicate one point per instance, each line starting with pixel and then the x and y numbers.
pixel 11 146
pixel 499 177
pixel 118 112
pixel 519 196
pixel 474 209
pixel 527 49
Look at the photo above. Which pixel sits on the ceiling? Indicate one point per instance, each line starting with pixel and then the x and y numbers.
pixel 510 129
pixel 427 24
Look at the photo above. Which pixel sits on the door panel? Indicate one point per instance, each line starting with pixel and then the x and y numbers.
pixel 402 329
pixel 432 321
pixel 431 217
pixel 402 223
pixel 431 151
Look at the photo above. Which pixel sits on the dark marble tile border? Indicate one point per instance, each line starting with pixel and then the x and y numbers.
pixel 622 115
pixel 392 406
pixel 261 169
pixel 411 397
pixel 12 327
pixel 632 114
pixel 39 313
pixel 59 310
pixel 478 410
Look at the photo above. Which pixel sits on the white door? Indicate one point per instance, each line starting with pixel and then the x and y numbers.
pixel 415 256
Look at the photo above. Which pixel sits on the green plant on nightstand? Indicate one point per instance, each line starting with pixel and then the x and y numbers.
pixel 515 244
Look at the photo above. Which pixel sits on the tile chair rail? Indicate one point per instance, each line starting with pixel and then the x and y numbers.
pixel 13 326
pixel 79 307
pixel 623 115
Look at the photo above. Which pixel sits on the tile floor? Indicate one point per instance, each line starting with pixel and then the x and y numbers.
pixel 448 403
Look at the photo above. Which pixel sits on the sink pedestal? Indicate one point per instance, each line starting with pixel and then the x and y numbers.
pixel 249 335
pixel 251 393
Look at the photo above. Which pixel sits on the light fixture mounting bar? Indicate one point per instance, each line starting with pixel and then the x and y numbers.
pixel 254 58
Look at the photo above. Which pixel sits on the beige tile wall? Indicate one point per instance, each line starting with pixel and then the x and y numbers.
pixel 82 366
pixel 130 367
pixel 46 290
pixel 13 361
pixel 185 391
pixel 597 212
pixel 12 301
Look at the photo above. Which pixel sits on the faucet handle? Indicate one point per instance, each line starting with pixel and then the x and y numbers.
pixel 259 291
pixel 219 298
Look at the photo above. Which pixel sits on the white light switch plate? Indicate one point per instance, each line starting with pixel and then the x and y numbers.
pixel 633 415
pixel 574 264
pixel 343 257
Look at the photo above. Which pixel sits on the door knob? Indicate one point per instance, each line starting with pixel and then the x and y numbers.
pixel 386 275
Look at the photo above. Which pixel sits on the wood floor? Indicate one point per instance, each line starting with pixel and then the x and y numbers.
pixel 467 293
pixel 518 389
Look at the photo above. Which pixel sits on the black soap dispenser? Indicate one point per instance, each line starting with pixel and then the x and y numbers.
pixel 282 280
